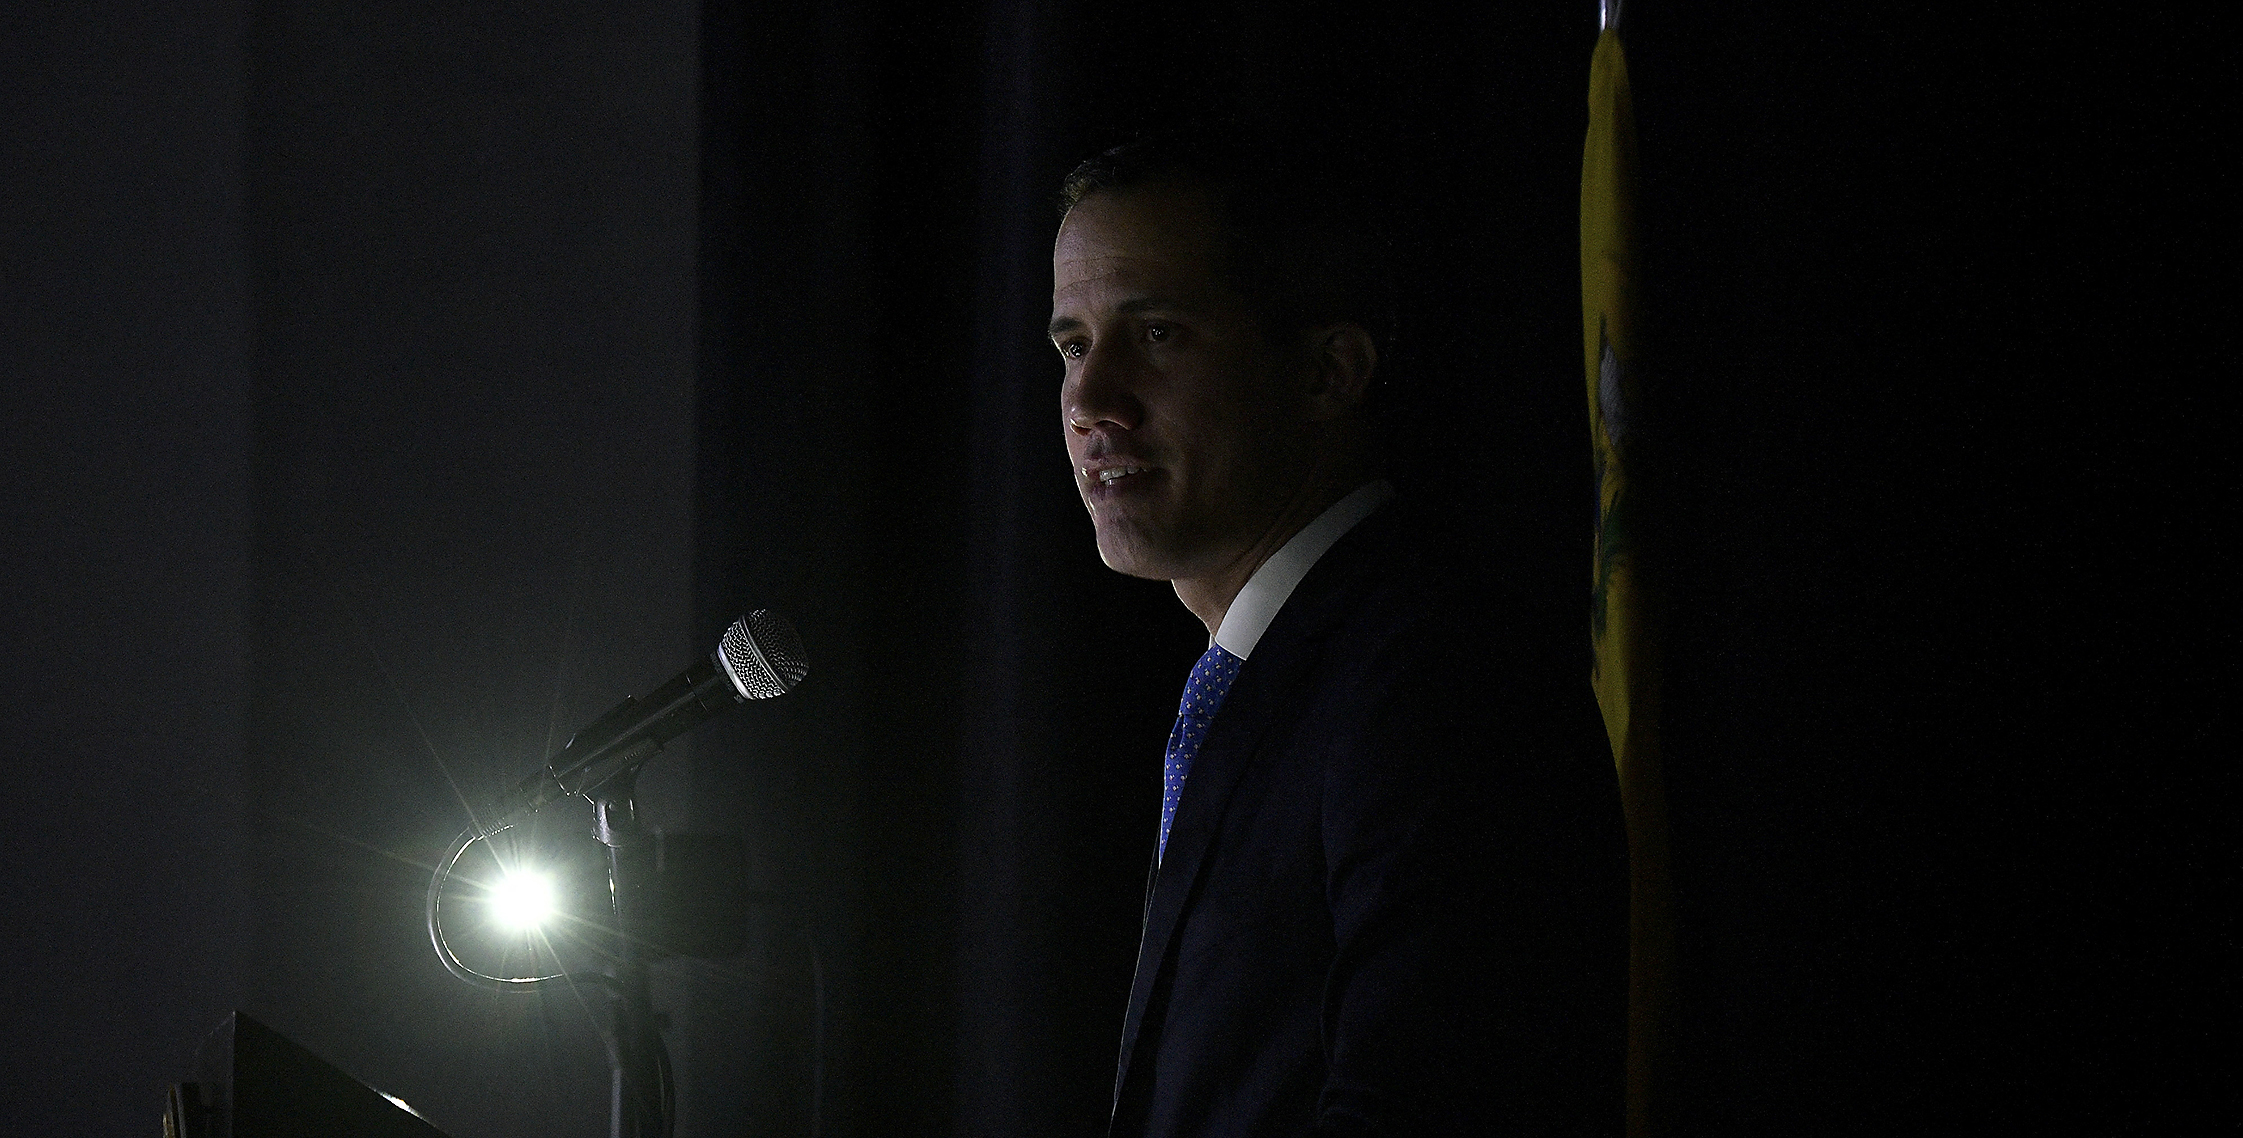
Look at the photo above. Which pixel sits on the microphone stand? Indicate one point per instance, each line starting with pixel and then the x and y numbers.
pixel 640 1102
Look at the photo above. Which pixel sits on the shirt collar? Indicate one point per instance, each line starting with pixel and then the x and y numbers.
pixel 1266 591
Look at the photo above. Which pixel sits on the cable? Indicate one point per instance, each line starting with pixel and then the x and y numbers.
pixel 817 1036
pixel 453 964
pixel 668 1084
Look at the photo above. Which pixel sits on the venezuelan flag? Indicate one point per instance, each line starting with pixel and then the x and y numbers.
pixel 1622 616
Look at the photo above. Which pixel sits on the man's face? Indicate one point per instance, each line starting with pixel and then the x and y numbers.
pixel 1187 426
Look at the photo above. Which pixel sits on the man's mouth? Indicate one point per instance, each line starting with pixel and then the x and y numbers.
pixel 1109 475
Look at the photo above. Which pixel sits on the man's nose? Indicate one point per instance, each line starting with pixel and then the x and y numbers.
pixel 1101 394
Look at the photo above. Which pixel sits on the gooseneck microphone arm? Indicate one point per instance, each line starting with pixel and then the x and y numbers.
pixel 760 657
pixel 621 740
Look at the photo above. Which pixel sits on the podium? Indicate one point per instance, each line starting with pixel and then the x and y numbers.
pixel 253 1082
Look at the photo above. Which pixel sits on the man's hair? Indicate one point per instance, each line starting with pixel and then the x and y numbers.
pixel 1306 242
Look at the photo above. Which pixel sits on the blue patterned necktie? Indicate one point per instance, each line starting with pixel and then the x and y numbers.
pixel 1203 693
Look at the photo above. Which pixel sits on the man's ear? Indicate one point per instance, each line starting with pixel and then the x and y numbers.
pixel 1344 359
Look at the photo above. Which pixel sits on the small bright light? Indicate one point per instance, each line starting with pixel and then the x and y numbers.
pixel 522 900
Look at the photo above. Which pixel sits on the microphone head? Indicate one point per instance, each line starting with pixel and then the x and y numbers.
pixel 763 654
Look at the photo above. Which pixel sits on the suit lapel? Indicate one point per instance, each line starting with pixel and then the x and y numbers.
pixel 1223 759
pixel 1266 683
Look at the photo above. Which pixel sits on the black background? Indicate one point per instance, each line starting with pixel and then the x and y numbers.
pixel 390 386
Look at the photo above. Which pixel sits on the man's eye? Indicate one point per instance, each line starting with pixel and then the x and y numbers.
pixel 1072 349
pixel 1157 332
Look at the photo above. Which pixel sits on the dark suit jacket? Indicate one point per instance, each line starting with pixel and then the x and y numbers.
pixel 1394 898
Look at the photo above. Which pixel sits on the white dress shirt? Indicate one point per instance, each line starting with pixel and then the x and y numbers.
pixel 1266 591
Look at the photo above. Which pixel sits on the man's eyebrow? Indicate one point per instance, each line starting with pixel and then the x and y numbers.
pixel 1134 307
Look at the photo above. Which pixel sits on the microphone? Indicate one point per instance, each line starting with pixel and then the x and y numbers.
pixel 760 657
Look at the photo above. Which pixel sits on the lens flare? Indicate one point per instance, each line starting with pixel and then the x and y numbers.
pixel 522 900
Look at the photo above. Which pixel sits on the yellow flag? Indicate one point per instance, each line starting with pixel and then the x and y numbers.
pixel 1623 615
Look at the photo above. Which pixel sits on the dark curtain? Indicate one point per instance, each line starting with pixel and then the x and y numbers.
pixel 124 559
pixel 378 407
pixel 964 800
pixel 1845 249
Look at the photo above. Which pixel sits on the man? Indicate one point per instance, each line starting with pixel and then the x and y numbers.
pixel 1389 890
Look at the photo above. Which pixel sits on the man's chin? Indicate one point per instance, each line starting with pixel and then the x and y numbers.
pixel 1132 556
pixel 1130 567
